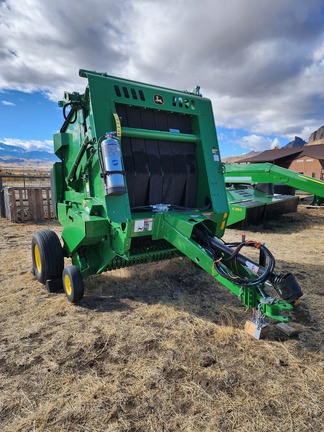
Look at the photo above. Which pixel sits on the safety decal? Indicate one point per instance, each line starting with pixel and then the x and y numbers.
pixel 88 189
pixel 254 268
pixel 215 155
pixel 118 125
pixel 229 179
pixel 143 225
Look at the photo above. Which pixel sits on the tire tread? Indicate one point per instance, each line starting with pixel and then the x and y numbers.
pixel 51 255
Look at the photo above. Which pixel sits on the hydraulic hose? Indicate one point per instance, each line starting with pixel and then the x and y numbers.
pixel 75 106
pixel 66 116
pixel 223 255
pixel 243 281
pixel 83 148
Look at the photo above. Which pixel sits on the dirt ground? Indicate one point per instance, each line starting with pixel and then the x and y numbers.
pixel 160 347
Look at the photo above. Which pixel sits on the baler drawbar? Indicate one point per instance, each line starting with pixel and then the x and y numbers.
pixel 140 179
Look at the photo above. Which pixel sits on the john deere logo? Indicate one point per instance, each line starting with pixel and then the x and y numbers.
pixel 158 99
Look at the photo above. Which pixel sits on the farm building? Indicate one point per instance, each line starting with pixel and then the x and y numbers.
pixel 310 162
pixel 307 160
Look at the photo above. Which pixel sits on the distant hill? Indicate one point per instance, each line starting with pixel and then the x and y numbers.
pixel 297 142
pixel 317 137
pixel 17 155
pixel 234 159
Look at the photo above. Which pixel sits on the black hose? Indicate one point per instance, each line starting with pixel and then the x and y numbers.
pixel 74 107
pixel 78 159
pixel 223 255
pixel 100 158
pixel 66 116
pixel 240 280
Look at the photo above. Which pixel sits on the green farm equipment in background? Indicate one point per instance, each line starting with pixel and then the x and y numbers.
pixel 140 179
pixel 253 197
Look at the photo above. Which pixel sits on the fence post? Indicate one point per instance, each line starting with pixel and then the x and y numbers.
pixel 14 214
pixel 21 202
pixel 7 200
pixel 2 205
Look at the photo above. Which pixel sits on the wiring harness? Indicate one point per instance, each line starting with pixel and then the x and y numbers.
pixel 221 266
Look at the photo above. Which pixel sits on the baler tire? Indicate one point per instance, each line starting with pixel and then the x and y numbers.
pixel 73 283
pixel 47 256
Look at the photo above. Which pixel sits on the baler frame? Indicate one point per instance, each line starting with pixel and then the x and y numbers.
pixel 174 201
pixel 241 175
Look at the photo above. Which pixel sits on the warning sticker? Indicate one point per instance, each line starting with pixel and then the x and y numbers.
pixel 88 189
pixel 143 225
pixel 118 125
pixel 254 268
pixel 240 179
pixel 215 155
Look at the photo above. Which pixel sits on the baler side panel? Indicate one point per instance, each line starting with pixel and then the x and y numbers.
pixel 211 181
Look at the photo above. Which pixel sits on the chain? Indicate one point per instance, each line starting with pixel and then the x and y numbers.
pixel 259 317
pixel 241 293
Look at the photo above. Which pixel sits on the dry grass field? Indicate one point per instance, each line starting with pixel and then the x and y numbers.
pixel 160 347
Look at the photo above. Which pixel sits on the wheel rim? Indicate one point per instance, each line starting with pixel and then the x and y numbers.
pixel 67 285
pixel 38 260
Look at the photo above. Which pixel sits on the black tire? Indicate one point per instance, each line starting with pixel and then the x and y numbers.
pixel 47 256
pixel 73 283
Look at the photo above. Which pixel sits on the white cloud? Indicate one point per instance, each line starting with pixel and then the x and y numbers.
pixel 275 143
pixel 261 63
pixel 4 102
pixel 30 145
pixel 259 143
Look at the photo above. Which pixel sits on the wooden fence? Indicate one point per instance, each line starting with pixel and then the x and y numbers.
pixel 23 204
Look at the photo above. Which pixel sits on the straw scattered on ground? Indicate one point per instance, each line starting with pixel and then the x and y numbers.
pixel 160 347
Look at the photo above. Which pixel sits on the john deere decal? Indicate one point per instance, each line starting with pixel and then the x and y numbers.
pixel 158 99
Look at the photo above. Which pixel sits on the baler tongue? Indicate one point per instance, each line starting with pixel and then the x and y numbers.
pixel 140 179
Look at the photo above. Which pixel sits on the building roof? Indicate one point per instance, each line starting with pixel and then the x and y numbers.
pixel 283 154
pixel 274 155
pixel 316 151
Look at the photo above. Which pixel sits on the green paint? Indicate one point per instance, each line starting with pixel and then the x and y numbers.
pixel 269 173
pixel 242 199
pixel 101 232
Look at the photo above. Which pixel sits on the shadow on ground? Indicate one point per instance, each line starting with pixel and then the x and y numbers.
pixel 285 224
pixel 180 284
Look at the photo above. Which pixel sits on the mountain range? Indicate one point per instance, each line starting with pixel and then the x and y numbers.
pixel 10 154
pixel 315 138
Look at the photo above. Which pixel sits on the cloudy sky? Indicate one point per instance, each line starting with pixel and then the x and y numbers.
pixel 260 62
